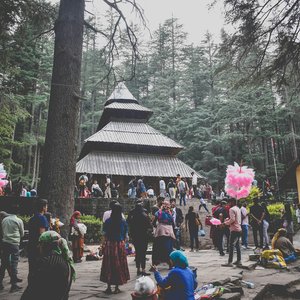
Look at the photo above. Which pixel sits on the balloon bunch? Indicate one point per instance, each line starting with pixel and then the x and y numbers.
pixel 238 181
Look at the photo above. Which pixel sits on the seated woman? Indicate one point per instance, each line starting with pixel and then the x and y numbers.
pixel 282 243
pixel 181 279
pixel 54 270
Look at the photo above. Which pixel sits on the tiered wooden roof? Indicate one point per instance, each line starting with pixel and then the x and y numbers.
pixel 125 144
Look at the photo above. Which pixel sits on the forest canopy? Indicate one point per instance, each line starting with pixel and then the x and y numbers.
pixel 235 100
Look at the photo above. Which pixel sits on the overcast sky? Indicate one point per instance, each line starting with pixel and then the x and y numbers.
pixel 195 15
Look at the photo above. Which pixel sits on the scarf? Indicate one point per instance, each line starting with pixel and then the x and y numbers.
pixel 179 259
pixel 75 214
pixel 59 247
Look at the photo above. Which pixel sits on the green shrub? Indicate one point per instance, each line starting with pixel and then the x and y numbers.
pixel 94 229
pixel 25 220
pixel 275 210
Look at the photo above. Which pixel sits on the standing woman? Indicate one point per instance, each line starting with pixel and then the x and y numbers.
pixel 77 237
pixel 163 235
pixel 192 222
pixel 114 269
pixel 288 221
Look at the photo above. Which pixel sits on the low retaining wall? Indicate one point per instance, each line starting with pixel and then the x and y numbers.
pixel 89 206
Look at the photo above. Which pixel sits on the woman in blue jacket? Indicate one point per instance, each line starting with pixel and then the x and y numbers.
pixel 181 279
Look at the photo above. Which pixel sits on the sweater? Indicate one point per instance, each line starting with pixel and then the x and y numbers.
pixel 182 282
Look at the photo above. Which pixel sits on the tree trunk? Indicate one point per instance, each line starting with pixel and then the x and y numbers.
pixel 59 159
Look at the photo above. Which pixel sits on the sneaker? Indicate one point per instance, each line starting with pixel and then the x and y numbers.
pixel 244 247
pixel 227 265
pixel 15 288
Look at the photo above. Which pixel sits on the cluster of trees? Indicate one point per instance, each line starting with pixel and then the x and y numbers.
pixel 235 100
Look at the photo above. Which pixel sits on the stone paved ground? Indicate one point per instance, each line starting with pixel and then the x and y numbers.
pixel 208 263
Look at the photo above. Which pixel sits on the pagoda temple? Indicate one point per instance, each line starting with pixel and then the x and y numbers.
pixel 125 146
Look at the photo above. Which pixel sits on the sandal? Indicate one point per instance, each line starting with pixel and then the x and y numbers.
pixel 108 291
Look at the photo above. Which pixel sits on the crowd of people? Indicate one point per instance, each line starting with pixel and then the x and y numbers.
pixel 50 262
pixel 137 188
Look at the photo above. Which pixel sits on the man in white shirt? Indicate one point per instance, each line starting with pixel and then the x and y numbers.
pixel 245 226
pixel 234 222
pixel 162 188
pixel 13 231
pixel 107 192
pixel 194 182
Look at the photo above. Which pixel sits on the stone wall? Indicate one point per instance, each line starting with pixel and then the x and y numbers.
pixel 88 206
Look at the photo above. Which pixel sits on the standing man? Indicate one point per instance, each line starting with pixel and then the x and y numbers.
pixel 36 225
pixel 257 216
pixel 107 192
pixel 178 220
pixel 162 188
pixel 245 226
pixel 235 228
pixel 139 227
pixel 182 192
pixel 13 231
pixel 194 183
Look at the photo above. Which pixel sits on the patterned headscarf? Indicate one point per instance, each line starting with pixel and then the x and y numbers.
pixel 59 246
pixel 179 259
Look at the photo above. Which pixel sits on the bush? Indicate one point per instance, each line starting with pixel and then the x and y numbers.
pixel 94 229
pixel 25 220
pixel 275 210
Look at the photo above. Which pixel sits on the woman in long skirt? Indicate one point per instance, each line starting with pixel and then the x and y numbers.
pixel 164 235
pixel 77 237
pixel 114 270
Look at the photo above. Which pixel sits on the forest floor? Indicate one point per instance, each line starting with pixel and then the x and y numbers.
pixel 283 283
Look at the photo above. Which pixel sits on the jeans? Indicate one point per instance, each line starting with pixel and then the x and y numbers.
pixel 194 237
pixel 219 239
pixel 204 205
pixel 245 235
pixel 182 198
pixel 177 242
pixel 234 241
pixel 9 261
pixel 265 233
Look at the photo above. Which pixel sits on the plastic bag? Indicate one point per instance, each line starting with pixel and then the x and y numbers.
pixel 201 232
pixel 144 286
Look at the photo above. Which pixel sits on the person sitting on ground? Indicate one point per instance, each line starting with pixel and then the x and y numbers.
pixel 282 243
pixel 54 272
pixel 180 279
